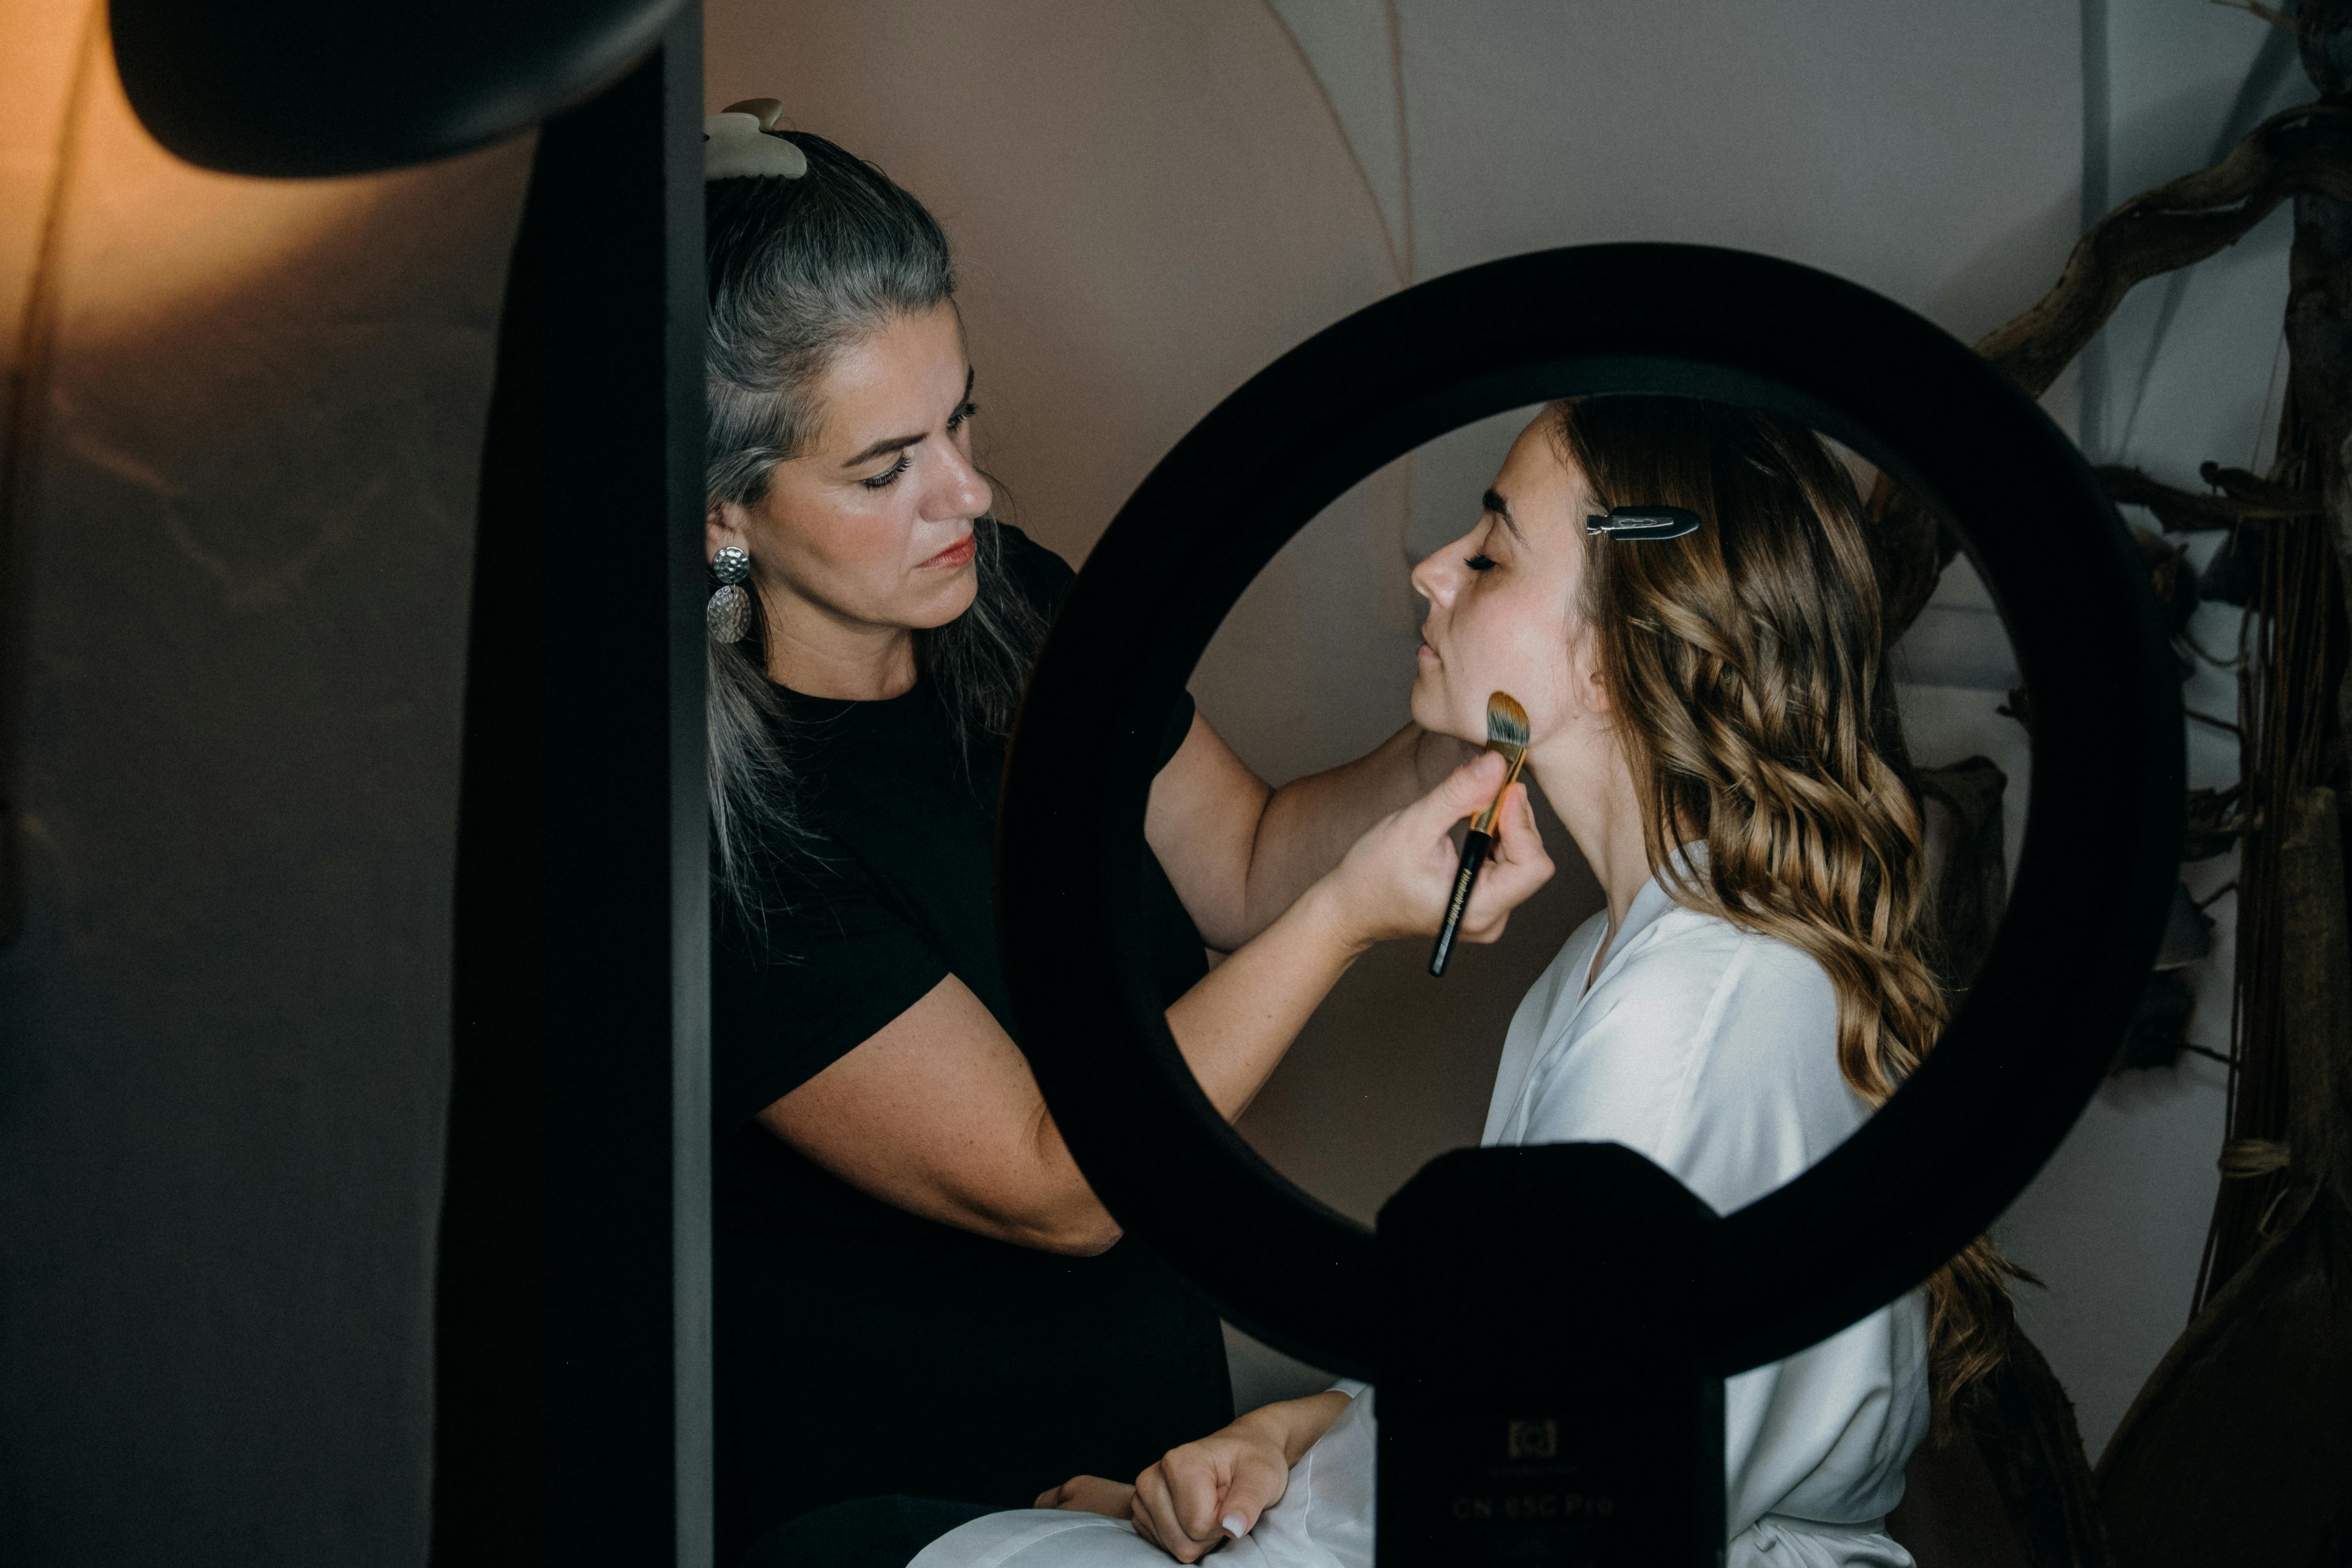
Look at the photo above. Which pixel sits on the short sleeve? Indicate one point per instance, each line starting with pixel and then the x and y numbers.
pixel 1180 724
pixel 796 991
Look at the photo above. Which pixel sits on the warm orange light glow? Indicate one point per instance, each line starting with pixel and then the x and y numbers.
pixel 38 45
pixel 142 238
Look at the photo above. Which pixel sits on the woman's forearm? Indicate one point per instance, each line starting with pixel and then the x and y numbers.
pixel 1393 881
pixel 1308 823
pixel 1295 1425
pixel 1234 1026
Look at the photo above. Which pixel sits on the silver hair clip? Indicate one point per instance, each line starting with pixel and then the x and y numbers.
pixel 735 146
pixel 1644 523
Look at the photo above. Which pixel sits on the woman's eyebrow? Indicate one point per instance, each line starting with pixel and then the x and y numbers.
pixel 1493 501
pixel 889 444
pixel 883 447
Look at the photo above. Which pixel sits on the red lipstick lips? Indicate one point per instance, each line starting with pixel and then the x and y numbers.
pixel 955 554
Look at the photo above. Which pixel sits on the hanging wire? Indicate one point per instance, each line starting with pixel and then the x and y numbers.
pixel 2188 640
pixel 2270 390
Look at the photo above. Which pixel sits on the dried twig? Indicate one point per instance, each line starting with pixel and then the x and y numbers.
pixel 2254 490
pixel 2186 511
pixel 2298 151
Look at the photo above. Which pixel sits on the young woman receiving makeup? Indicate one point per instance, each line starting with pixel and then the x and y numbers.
pixel 1710 715
pixel 917 1292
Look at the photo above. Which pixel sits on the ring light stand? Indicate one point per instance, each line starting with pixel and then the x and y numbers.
pixel 1550 1327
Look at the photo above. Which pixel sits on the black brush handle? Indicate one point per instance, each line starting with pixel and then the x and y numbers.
pixel 1474 855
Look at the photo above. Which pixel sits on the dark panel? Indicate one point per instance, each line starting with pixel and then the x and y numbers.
pixel 580 967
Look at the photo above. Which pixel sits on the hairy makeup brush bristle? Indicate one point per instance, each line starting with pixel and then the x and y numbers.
pixel 1507 722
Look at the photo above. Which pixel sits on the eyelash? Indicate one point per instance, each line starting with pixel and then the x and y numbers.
pixel 1478 562
pixel 889 475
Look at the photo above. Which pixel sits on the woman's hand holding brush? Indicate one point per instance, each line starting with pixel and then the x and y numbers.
pixel 1399 878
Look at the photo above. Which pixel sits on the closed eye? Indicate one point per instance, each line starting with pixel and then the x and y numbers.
pixel 889 475
pixel 956 420
pixel 1480 563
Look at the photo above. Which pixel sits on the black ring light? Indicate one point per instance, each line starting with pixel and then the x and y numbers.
pixel 1936 1166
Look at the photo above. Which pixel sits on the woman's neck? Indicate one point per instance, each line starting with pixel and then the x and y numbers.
pixel 819 654
pixel 1591 788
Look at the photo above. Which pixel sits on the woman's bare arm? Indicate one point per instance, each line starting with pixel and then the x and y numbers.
pixel 939 1114
pixel 1239 853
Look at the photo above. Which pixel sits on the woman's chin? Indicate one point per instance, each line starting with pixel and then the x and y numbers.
pixel 951 599
pixel 1429 710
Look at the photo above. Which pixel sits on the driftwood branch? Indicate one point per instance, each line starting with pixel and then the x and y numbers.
pixel 2293 152
pixel 2187 511
pixel 2304 151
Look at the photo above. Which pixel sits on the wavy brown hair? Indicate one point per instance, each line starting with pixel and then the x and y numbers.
pixel 1747 663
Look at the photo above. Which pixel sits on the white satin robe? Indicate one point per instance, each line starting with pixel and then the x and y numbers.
pixel 1712 1052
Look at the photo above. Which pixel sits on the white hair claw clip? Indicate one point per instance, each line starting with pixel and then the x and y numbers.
pixel 735 147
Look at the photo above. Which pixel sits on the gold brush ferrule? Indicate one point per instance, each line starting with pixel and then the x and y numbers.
pixel 1513 756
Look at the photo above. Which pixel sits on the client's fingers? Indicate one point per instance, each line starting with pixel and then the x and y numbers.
pixel 1088 1494
pixel 1254 1488
pixel 1160 1511
pixel 1153 1515
pixel 1195 1476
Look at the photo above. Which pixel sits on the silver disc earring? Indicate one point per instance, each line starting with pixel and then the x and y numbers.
pixel 728 614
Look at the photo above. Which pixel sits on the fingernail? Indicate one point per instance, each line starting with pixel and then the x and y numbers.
pixel 1236 1525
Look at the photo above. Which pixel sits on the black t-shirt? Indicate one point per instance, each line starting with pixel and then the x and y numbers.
pixel 862 1350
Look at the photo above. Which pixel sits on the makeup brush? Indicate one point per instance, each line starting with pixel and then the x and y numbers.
pixel 1507 733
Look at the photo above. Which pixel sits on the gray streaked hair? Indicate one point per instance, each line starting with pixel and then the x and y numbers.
pixel 798 270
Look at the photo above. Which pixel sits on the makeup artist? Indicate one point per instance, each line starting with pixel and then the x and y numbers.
pixel 917 1292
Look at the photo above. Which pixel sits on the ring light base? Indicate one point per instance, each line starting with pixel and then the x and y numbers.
pixel 1543 1398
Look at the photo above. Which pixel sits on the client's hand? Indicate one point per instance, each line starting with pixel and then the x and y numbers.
pixel 1204 1494
pixel 1088 1494
pixel 1398 876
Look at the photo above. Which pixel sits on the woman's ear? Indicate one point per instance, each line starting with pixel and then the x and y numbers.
pixel 722 525
pixel 1584 672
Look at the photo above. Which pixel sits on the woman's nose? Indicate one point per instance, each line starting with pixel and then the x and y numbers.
pixel 959 493
pixel 1430 579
